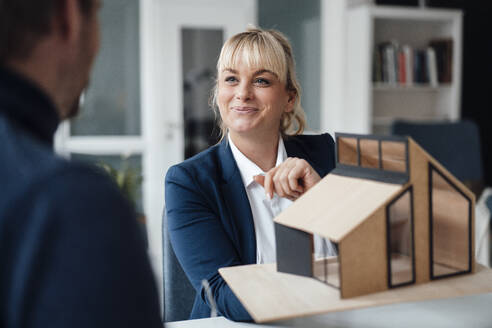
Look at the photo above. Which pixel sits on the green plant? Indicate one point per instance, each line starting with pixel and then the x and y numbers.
pixel 126 178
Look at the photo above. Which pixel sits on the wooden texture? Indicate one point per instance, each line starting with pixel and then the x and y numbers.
pixel 347 150
pixel 419 178
pixel 363 258
pixel 393 155
pixel 369 153
pixel 269 296
pixel 337 205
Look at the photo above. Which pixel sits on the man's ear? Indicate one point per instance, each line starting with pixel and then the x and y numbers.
pixel 68 20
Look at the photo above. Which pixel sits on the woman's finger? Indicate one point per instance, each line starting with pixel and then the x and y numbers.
pixel 295 175
pixel 282 178
pixel 290 179
pixel 269 186
pixel 260 179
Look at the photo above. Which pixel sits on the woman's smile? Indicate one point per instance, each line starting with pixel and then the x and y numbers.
pixel 244 109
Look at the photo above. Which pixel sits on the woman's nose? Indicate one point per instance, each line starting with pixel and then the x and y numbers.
pixel 243 92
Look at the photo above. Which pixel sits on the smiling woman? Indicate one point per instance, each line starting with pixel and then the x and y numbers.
pixel 252 101
pixel 221 202
pixel 260 64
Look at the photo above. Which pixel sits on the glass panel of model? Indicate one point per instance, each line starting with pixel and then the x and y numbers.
pixel 450 227
pixel 373 153
pixel 400 240
pixel 325 264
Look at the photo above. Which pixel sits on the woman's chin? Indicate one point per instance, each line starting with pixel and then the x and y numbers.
pixel 243 126
pixel 242 130
pixel 245 129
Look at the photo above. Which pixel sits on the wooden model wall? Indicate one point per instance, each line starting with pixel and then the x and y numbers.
pixel 457 220
pixel 362 256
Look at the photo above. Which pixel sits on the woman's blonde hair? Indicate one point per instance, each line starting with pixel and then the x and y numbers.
pixel 271 50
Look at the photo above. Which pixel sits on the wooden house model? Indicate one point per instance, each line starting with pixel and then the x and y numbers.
pixel 396 216
pixel 399 222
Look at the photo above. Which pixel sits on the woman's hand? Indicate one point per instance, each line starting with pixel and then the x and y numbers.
pixel 290 179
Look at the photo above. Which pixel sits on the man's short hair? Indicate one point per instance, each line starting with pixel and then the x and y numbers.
pixel 24 22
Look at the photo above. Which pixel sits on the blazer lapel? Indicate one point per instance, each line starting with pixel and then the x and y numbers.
pixel 294 148
pixel 240 221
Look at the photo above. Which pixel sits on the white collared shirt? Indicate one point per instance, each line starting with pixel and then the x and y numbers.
pixel 263 209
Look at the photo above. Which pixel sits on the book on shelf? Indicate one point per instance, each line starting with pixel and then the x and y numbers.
pixel 408 58
pixel 402 68
pixel 396 64
pixel 444 58
pixel 420 67
pixel 432 67
pixel 377 70
pixel 391 61
pixel 386 63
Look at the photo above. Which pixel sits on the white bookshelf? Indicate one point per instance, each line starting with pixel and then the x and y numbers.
pixel 371 107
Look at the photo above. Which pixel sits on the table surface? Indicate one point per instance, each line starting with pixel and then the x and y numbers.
pixel 470 311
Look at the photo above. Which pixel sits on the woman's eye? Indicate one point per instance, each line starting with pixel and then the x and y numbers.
pixel 262 82
pixel 230 79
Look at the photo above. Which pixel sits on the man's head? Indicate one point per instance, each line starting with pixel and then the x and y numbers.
pixel 53 42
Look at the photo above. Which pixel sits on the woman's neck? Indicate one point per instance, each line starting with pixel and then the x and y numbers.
pixel 261 150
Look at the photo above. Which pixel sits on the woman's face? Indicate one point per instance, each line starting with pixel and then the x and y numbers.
pixel 252 100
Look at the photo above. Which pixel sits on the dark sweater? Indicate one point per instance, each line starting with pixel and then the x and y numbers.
pixel 71 254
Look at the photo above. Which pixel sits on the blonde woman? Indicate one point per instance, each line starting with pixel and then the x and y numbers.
pixel 220 203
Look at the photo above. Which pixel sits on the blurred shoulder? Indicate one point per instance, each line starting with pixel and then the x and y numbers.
pixel 88 188
pixel 70 197
pixel 33 174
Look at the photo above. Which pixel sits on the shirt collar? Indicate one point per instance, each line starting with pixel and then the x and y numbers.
pixel 27 105
pixel 247 168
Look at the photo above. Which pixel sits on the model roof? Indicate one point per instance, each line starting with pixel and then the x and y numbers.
pixel 337 205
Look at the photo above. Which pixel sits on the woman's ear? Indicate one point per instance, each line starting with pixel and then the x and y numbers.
pixel 291 101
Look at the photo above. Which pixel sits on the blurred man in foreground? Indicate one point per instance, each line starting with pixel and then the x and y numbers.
pixel 71 253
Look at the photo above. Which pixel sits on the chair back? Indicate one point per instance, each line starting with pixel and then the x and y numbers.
pixel 456 145
pixel 179 294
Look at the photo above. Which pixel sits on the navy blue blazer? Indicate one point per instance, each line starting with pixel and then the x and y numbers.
pixel 210 221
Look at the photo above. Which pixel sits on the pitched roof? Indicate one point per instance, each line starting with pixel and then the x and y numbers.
pixel 337 205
